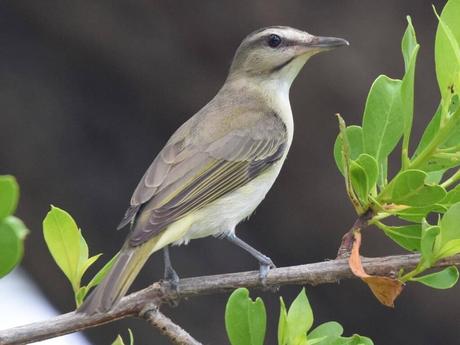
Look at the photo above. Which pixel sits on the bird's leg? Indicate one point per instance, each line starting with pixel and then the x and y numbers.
pixel 170 274
pixel 265 263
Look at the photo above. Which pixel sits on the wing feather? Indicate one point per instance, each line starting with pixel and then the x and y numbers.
pixel 192 175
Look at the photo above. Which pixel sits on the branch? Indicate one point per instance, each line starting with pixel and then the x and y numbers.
pixel 167 327
pixel 160 292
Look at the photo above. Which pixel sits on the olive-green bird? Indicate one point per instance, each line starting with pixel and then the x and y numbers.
pixel 218 166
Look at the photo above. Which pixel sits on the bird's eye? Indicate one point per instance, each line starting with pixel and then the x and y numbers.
pixel 274 40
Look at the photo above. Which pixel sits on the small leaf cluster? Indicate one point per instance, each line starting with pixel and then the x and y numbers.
pixel 12 229
pixel 427 182
pixel 70 251
pixel 246 320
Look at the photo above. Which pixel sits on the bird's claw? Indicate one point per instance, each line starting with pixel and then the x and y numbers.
pixel 265 266
pixel 172 278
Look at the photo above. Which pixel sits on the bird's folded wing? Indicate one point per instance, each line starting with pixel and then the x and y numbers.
pixel 184 178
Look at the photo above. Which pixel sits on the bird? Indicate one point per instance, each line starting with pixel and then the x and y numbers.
pixel 219 165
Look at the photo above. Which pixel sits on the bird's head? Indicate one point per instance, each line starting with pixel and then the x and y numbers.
pixel 278 53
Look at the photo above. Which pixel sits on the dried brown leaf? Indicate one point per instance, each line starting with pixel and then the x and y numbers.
pixel 385 289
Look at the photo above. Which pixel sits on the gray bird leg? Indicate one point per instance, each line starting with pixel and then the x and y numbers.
pixel 265 263
pixel 170 274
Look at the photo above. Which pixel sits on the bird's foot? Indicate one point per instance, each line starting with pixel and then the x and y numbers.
pixel 172 278
pixel 266 264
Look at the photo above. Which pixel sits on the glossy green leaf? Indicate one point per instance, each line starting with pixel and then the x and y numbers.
pixel 383 124
pixel 359 340
pixel 409 47
pixel 9 195
pixel 434 177
pixel 369 164
pixel 236 318
pixel 427 243
pixel 282 324
pixel 452 197
pixel 245 320
pixel 430 131
pixel 450 248
pixel 355 140
pixel 329 329
pixel 12 234
pixel 409 188
pixel 444 279
pixel 119 340
pixel 409 44
pixel 450 226
pixel 80 295
pixel 441 161
pixel 257 317
pixel 407 236
pixel 88 263
pixel 96 280
pixel 447 49
pixel 299 319
pixel 63 239
pixel 359 181
pixel 417 214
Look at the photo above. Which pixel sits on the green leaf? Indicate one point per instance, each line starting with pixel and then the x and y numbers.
pixel 434 177
pixel 444 279
pixel 407 236
pixel 12 234
pixel 383 124
pixel 369 164
pixel 430 131
pixel 427 243
pixel 257 321
pixel 328 329
pixel 9 195
pixel 119 340
pixel 452 197
pixel 299 319
pixel 359 181
pixel 450 248
pixel 282 324
pixel 409 44
pixel 441 161
pixel 409 47
pixel 450 227
pixel 88 263
pixel 245 320
pixel 447 50
pixel 359 340
pixel 409 188
pixel 63 239
pixel 355 140
pixel 101 274
pixel 80 295
pixel 417 214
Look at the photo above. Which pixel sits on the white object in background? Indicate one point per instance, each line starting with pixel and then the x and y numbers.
pixel 22 302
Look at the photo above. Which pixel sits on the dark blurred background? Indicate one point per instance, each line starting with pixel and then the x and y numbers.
pixel 91 90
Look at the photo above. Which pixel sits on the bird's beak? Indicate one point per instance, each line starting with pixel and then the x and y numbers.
pixel 327 43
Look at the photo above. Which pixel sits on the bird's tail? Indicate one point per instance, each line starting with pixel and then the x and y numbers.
pixel 117 282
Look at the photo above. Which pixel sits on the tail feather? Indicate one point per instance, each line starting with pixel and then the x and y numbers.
pixel 117 282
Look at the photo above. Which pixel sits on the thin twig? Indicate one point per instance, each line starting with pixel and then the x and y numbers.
pixel 159 293
pixel 167 327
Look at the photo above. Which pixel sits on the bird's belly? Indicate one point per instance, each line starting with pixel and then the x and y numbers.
pixel 221 217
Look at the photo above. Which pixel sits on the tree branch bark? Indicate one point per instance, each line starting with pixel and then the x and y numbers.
pixel 167 327
pixel 160 292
